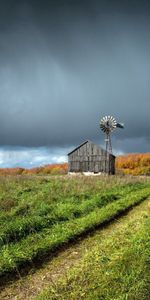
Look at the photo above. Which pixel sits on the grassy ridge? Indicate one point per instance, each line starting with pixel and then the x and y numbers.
pixel 17 227
pixel 116 268
pixel 28 206
pixel 39 244
pixel 21 227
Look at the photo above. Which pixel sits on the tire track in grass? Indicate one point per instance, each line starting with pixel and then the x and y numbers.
pixel 30 286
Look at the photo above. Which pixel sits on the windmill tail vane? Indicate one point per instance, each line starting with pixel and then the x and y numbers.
pixel 120 125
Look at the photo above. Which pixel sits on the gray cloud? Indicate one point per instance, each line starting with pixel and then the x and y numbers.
pixel 64 64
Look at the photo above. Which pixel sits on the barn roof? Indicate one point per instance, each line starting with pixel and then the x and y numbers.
pixel 78 147
pixel 84 144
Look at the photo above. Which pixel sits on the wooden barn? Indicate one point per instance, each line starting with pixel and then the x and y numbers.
pixel 89 157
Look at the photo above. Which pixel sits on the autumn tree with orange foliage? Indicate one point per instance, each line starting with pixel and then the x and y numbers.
pixel 54 169
pixel 135 164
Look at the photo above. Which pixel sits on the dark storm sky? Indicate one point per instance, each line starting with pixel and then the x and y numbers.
pixel 64 64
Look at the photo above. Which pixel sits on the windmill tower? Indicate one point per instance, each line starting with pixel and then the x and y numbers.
pixel 108 124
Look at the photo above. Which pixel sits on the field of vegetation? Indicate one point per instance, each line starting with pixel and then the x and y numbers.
pixel 40 214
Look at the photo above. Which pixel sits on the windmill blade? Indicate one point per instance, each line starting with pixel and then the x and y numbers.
pixel 108 124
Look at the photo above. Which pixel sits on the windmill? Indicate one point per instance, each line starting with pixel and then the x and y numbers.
pixel 108 124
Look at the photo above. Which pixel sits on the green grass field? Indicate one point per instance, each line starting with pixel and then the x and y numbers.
pixel 41 214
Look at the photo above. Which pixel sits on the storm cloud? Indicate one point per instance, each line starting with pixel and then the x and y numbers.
pixel 65 64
